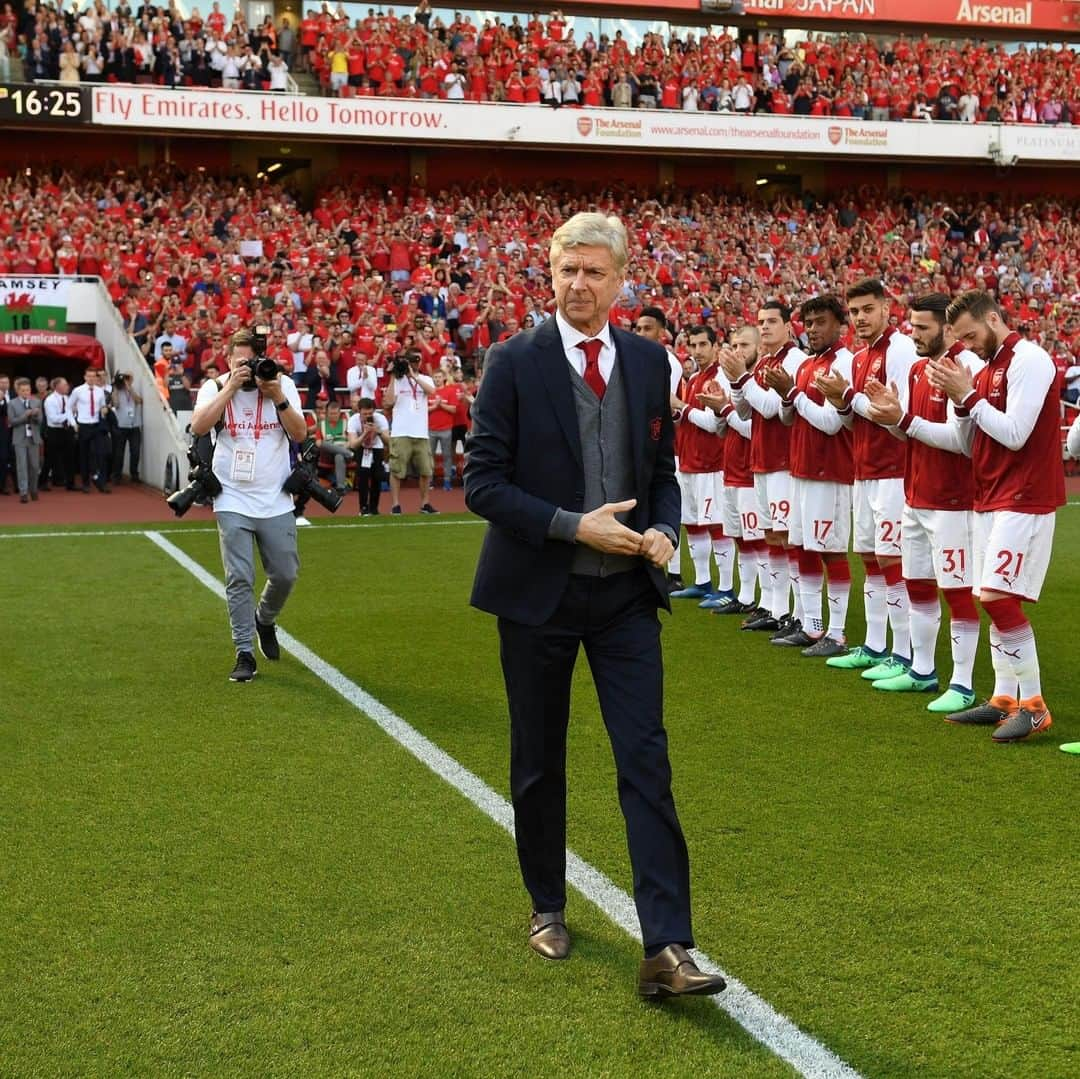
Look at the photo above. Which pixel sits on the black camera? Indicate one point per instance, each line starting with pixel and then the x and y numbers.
pixel 203 485
pixel 260 365
pixel 303 482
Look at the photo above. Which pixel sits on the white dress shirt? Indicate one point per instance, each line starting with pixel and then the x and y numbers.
pixel 79 403
pixel 57 413
pixel 571 338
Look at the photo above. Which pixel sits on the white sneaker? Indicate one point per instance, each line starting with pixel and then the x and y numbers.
pixel 302 522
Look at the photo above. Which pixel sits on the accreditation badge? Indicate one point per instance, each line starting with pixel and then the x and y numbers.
pixel 243 466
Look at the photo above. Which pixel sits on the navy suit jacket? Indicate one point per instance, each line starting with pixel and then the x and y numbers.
pixel 525 461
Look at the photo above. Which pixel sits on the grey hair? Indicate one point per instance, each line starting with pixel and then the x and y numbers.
pixel 592 230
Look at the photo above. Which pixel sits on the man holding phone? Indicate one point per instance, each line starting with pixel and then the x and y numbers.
pixel 369 438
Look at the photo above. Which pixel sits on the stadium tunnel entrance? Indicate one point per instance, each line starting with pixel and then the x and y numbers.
pixel 29 353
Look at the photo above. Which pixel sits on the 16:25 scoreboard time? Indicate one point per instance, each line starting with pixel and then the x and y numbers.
pixel 29 104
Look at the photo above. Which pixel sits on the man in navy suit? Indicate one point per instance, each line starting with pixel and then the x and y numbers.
pixel 571 463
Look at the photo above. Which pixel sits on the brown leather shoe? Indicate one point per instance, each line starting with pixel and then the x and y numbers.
pixel 548 935
pixel 673 973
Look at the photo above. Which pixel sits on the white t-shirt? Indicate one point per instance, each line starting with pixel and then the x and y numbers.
pixel 249 413
pixel 356 427
pixel 362 379
pixel 455 86
pixel 410 406
pixel 300 344
pixel 279 76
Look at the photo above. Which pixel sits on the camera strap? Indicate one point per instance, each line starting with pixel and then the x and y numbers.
pixel 230 419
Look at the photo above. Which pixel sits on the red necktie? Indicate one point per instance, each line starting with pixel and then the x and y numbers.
pixel 593 378
pixel 91 403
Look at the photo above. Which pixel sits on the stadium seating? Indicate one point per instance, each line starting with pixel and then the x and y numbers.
pixel 451 274
pixel 538 61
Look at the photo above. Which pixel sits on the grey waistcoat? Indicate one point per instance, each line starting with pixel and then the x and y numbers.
pixel 607 455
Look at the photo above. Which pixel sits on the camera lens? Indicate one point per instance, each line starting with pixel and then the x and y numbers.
pixel 266 369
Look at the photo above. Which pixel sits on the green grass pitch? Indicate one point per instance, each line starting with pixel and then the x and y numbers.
pixel 202 879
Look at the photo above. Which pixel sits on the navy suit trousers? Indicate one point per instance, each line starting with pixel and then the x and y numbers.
pixel 615 619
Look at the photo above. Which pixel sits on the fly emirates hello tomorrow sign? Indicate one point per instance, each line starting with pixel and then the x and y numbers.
pixel 1059 16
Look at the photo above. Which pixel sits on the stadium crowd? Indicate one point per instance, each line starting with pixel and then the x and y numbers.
pixel 537 61
pixel 364 275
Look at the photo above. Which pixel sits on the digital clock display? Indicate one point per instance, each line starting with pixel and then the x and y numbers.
pixel 29 104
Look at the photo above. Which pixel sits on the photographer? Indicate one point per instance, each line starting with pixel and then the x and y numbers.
pixel 255 419
pixel 407 394
pixel 127 431
pixel 369 436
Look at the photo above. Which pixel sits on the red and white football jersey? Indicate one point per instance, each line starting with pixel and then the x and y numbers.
pixel 820 443
pixel 1016 437
pixel 878 455
pixel 699 450
pixel 770 437
pixel 937 472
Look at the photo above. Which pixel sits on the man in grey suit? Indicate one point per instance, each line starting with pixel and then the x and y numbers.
pixel 24 415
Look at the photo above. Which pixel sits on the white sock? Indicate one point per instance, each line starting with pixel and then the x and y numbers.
pixel 761 558
pixel 796 593
pixel 837 593
pixel 747 572
pixel 964 634
pixel 877 618
pixel 700 554
pixel 780 583
pixel 723 548
pixel 1018 645
pixel 810 593
pixel 899 611
pixel 1005 681
pixel 925 623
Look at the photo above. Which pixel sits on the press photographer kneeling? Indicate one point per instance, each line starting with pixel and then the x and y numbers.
pixel 255 418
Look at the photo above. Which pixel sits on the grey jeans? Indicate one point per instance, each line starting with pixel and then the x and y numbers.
pixel 276 539
pixel 445 439
pixel 341 455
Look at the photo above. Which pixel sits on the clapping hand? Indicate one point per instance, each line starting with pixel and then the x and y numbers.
pixel 714 397
pixel 776 378
pixel 885 405
pixel 833 385
pixel 731 364
pixel 950 377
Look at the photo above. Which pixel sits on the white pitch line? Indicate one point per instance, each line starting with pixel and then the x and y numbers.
pixel 756 1016
pixel 197 531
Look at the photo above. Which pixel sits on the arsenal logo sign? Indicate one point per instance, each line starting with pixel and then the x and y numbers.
pixel 835 134
pixel 584 125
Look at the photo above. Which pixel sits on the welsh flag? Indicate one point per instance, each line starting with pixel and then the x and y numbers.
pixel 33 303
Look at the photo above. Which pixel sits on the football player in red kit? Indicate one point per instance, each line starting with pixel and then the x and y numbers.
pixel 1009 415
pixel 744 520
pixel 822 472
pixel 886 356
pixel 699 446
pixel 937 518
pixel 770 443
